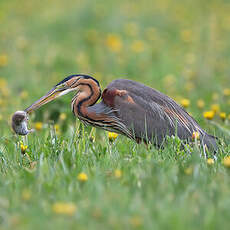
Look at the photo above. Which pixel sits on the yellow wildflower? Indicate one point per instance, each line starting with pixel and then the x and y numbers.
pixel 226 162
pixel 82 177
pixel 215 96
pixel 3 60
pixel 112 136
pixel 57 128
pixel 186 35
pixel 210 161
pixel 169 80
pixel 114 42
pixel 227 92
pixel 188 171
pixel 3 83
pixel 137 46
pixel 136 221
pixel 92 138
pixel 64 208
pixel 26 194
pixel 23 148
pixel 200 104
pixel 196 135
pixel 5 91
pixel 209 115
pixel 38 126
pixel 62 116
pixel 215 108
pixel 185 102
pixel 118 173
pixel 223 116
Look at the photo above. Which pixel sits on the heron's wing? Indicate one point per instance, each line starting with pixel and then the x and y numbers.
pixel 147 112
pixel 105 117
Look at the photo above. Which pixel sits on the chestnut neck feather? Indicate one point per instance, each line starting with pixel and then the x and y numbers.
pixel 88 95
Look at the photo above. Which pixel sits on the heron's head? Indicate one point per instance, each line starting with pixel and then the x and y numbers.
pixel 70 83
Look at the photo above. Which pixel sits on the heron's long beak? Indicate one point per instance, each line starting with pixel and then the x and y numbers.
pixel 50 96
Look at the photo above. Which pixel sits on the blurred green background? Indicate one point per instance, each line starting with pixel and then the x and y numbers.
pixel 179 47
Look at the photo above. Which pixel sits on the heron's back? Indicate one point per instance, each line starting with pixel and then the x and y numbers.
pixel 153 115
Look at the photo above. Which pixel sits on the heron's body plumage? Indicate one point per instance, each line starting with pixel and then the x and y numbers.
pixel 128 107
pixel 145 114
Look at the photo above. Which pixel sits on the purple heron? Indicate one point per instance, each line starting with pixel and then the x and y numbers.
pixel 129 108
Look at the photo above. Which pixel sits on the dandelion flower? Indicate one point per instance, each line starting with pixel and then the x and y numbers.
pixel 209 115
pixel 38 126
pixel 226 162
pixel 114 43
pixel 82 177
pixel 112 136
pixel 136 221
pixel 200 104
pixel 186 35
pixel 188 171
pixel 118 173
pixel 169 80
pixel 3 83
pixel 62 116
pixel 64 208
pixel 226 92
pixel 215 108
pixel 137 46
pixel 223 116
pixel 57 128
pixel 92 138
pixel 26 194
pixel 23 148
pixel 195 135
pixel 185 103
pixel 3 60
pixel 210 161
pixel 215 96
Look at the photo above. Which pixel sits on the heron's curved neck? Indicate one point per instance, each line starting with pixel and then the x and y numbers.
pixel 88 95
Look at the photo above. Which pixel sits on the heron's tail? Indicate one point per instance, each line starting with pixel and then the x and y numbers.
pixel 210 141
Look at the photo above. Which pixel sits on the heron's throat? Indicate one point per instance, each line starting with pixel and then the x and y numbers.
pixel 87 95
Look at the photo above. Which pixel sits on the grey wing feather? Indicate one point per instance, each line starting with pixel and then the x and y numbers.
pixel 152 106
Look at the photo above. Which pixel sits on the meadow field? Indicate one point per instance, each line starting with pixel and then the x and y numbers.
pixel 68 176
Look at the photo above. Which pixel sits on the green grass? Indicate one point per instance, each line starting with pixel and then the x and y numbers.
pixel 183 52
